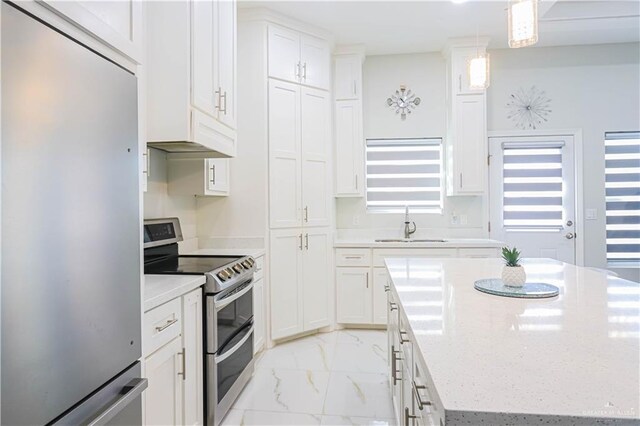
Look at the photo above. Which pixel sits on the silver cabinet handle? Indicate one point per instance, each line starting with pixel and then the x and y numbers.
pixel 460 180
pixel 402 339
pixel 183 373
pixel 304 68
pixel 218 104
pixel 393 306
pixel 408 416
pixel 354 88
pixel 224 96
pixel 298 70
pixel 353 257
pixel 300 246
pixel 367 280
pixel 306 241
pixel 306 213
pixel 129 393
pixel 387 288
pixel 459 82
pixel 570 236
pixel 168 324
pixel 213 174
pixel 416 394
pixel 356 182
pixel 394 366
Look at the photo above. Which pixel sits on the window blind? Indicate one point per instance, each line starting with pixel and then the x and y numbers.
pixel 532 186
pixel 622 191
pixel 404 172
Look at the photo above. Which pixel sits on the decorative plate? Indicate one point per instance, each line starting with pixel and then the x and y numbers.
pixel 496 287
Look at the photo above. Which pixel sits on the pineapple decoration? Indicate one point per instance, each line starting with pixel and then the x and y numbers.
pixel 513 274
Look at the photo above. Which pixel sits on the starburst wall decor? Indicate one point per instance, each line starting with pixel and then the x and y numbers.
pixel 403 101
pixel 528 109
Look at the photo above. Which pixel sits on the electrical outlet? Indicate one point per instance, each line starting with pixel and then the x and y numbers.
pixel 463 219
pixel 356 220
pixel 455 219
pixel 591 214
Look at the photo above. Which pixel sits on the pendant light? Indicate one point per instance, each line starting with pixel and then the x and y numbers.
pixel 479 68
pixel 523 23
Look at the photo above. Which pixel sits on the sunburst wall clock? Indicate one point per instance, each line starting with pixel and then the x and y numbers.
pixel 403 101
pixel 528 109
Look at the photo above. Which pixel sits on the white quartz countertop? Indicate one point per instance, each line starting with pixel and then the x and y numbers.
pixel 448 243
pixel 159 289
pixel 253 252
pixel 571 357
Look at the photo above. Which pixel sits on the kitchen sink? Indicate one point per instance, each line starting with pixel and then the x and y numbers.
pixel 400 240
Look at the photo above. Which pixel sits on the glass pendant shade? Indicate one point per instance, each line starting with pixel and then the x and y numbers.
pixel 479 72
pixel 523 22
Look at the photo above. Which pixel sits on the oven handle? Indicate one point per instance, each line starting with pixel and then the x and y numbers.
pixel 231 351
pixel 221 303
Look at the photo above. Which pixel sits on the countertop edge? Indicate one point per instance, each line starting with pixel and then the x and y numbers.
pixel 447 244
pixel 182 286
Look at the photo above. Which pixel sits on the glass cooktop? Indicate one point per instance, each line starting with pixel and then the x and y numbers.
pixel 188 265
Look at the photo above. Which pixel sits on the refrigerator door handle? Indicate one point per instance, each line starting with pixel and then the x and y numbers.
pixel 129 393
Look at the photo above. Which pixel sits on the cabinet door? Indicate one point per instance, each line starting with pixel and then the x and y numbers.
pixel 315 62
pixel 226 60
pixel 193 367
pixel 258 316
pixel 353 295
pixel 315 278
pixel 347 79
pixel 470 151
pixel 380 282
pixel 285 282
pixel 349 149
pixel 316 151
pixel 163 397
pixel 460 58
pixel 204 94
pixel 217 172
pixel 284 155
pixel 284 54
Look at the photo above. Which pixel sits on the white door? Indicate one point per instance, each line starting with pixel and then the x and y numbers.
pixel 193 352
pixel 315 278
pixel 284 155
pixel 353 295
pixel 316 145
pixel 532 195
pixel 163 397
pixel 284 54
pixel 286 286
pixel 203 73
pixel 258 316
pixel 349 149
pixel 226 60
pixel 379 285
pixel 314 59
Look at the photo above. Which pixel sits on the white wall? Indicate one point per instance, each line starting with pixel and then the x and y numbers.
pixel 593 88
pixel 158 203
pixel 424 74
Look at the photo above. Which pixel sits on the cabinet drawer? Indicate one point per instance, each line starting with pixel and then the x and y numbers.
pixel 353 257
pixel 259 273
pixel 428 407
pixel 161 324
pixel 380 254
pixel 478 252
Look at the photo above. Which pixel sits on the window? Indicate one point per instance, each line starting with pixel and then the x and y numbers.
pixel 404 172
pixel 622 192
pixel 532 186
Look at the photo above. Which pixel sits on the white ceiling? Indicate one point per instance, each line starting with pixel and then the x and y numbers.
pixel 388 27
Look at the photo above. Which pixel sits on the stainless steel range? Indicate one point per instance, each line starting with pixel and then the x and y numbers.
pixel 228 317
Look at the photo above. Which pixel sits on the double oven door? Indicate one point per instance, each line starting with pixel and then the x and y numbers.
pixel 229 347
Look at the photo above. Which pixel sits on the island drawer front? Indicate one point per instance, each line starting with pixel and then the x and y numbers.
pixel 353 257
pixel 427 406
pixel 380 254
pixel 161 325
pixel 479 252
pixel 259 268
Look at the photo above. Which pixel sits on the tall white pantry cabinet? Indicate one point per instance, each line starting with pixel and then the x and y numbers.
pixel 286 72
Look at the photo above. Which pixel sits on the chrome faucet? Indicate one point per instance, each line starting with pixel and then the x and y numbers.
pixel 407 228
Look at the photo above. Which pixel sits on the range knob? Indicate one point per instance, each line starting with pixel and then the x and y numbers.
pixel 229 272
pixel 237 268
pixel 223 275
pixel 246 264
pixel 250 261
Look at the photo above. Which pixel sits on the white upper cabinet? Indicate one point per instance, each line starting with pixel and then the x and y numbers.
pixel 316 143
pixel 347 77
pixel 198 176
pixel 349 148
pixel 298 58
pixel 460 70
pixel 191 74
pixel 117 23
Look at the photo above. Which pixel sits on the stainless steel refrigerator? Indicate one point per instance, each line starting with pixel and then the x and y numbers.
pixel 71 309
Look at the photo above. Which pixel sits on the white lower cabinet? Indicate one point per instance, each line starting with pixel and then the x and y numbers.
pixel 299 280
pixel 259 329
pixel 175 395
pixel 353 296
pixel 379 290
pixel 163 397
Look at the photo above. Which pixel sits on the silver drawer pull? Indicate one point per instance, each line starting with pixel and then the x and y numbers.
pixel 408 416
pixel 416 394
pixel 167 325
pixel 387 288
pixel 402 339
pixel 394 369
pixel 353 257
pixel 393 306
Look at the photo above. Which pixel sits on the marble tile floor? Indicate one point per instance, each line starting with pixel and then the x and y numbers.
pixel 337 378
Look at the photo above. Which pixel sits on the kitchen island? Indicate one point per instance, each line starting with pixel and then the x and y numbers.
pixel 462 357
